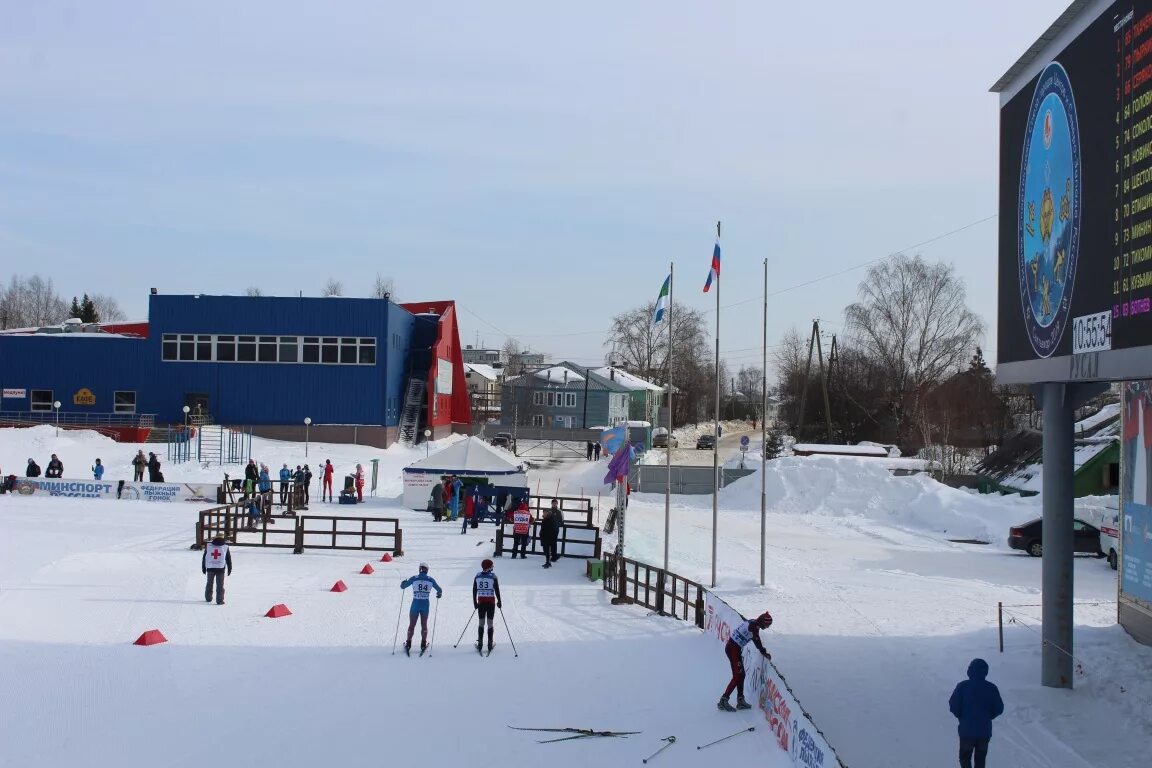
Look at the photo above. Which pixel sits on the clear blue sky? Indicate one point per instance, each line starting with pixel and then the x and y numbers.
pixel 539 163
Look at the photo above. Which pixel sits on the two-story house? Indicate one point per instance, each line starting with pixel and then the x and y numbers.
pixel 564 395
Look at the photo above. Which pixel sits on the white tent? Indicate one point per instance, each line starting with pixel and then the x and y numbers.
pixel 468 458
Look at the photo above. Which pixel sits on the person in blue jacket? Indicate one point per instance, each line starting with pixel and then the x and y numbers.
pixel 976 703
pixel 285 478
pixel 98 470
pixel 422 587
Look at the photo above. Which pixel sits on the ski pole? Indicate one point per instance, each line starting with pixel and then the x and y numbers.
pixel 396 634
pixel 670 739
pixel 459 639
pixel 746 730
pixel 435 613
pixel 515 653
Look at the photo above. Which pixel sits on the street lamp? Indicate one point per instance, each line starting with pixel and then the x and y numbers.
pixel 56 405
pixel 427 436
pixel 186 411
pixel 307 424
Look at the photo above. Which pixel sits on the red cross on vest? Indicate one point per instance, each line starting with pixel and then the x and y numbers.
pixel 215 554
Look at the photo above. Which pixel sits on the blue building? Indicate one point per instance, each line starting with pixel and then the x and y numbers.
pixel 357 368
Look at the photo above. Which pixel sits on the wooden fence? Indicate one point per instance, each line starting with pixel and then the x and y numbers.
pixel 580 541
pixel 654 588
pixel 299 532
pixel 576 509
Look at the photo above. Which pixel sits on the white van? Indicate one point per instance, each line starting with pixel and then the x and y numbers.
pixel 1110 538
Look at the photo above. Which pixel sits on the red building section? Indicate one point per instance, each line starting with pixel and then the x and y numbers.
pixel 139 328
pixel 449 406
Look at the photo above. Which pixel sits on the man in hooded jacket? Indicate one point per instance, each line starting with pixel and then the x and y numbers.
pixel 976 703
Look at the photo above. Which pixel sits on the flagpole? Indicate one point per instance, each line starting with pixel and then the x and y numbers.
pixel 716 429
pixel 764 432
pixel 668 448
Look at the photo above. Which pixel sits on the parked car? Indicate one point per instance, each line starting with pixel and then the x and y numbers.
pixel 500 442
pixel 661 441
pixel 706 443
pixel 1030 537
pixel 1110 540
pixel 506 441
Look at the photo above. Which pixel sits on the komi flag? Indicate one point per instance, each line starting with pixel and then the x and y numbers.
pixel 620 465
pixel 662 301
pixel 714 272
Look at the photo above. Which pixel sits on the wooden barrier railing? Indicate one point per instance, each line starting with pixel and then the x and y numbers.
pixel 576 509
pixel 654 588
pixel 299 532
pixel 579 541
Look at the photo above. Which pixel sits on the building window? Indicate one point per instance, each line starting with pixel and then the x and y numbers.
pixel 226 349
pixel 246 349
pixel 330 350
pixel 551 399
pixel 367 352
pixel 204 348
pixel 289 350
pixel 41 400
pixel 311 350
pixel 537 398
pixel 266 353
pixel 570 399
pixel 187 346
pixel 347 351
pixel 170 348
pixel 538 420
pixel 124 402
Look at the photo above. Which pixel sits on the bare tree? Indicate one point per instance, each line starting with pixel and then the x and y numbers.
pixel 333 288
pixel 512 354
pixel 253 290
pixel 913 319
pixel 31 302
pixel 107 308
pixel 383 287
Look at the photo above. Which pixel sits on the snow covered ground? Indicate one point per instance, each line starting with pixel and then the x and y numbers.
pixel 877 615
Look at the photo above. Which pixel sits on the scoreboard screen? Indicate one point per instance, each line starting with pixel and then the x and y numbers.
pixel 1075 237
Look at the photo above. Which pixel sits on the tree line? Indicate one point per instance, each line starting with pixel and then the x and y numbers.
pixel 32 302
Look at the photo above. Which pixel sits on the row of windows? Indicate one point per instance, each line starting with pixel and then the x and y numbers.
pixel 554 399
pixel 42 400
pixel 323 350
pixel 567 422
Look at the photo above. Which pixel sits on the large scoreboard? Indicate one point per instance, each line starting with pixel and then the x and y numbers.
pixel 1075 237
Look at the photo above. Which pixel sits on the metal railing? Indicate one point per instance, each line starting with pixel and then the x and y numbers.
pixel 73 419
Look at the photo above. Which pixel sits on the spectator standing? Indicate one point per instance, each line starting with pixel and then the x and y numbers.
pixel 216 559
pixel 154 473
pixel 359 484
pixel 251 477
pixel 326 489
pixel 447 497
pixel 469 511
pixel 588 450
pixel 550 532
pixel 33 469
pixel 285 478
pixel 521 524
pixel 457 496
pixel 436 502
pixel 265 480
pixel 138 465
pixel 98 470
pixel 307 484
pixel 55 468
pixel 976 703
pixel 596 450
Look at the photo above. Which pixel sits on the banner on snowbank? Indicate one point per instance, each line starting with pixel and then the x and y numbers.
pixel 117 489
pixel 791 727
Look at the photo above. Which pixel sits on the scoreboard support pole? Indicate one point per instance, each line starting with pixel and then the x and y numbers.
pixel 1059 402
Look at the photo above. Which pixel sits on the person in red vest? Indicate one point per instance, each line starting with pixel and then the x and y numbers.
pixel 326 489
pixel 359 484
pixel 521 521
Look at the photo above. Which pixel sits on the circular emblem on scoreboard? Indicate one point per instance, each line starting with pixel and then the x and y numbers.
pixel 1049 205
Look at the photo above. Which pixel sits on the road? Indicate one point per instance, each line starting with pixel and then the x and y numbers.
pixel 687 455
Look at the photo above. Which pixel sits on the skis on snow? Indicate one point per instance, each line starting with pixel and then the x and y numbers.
pixel 577 733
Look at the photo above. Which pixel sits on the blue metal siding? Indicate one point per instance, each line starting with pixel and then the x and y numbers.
pixel 66 363
pixel 238 393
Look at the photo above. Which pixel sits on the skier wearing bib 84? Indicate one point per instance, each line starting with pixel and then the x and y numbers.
pixel 486 599
pixel 422 586
pixel 742 634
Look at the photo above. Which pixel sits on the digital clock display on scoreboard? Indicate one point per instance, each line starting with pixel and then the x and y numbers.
pixel 1075 233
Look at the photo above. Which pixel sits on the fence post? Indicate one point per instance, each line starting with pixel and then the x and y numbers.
pixel 499 541
pixel 298 543
pixel 399 540
pixel 199 534
pixel 660 592
pixel 1000 621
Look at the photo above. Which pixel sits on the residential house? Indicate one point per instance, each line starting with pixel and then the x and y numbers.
pixel 647 398
pixel 484 391
pixel 566 396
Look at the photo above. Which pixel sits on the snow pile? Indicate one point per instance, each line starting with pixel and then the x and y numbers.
pixel 846 488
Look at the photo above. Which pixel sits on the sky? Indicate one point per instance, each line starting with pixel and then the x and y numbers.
pixel 541 164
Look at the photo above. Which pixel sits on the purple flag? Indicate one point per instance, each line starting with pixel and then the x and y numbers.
pixel 618 467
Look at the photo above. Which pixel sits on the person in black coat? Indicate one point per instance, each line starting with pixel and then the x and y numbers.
pixel 976 703
pixel 154 473
pixel 307 484
pixel 55 467
pixel 550 531
pixel 33 469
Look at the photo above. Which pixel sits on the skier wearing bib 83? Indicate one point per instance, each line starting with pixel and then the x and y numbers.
pixel 486 599
pixel 742 634
pixel 422 587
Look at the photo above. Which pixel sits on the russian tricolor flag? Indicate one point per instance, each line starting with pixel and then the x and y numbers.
pixel 714 272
